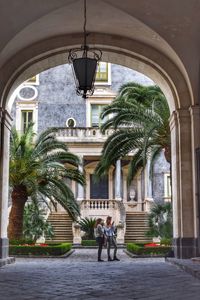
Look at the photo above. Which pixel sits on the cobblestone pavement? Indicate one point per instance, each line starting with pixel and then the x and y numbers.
pixel 81 277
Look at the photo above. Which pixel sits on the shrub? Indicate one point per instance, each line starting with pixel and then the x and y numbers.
pixel 21 241
pixel 87 225
pixel 139 250
pixel 89 243
pixel 160 221
pixel 166 242
pixel 133 248
pixel 155 250
pixel 35 224
pixel 56 250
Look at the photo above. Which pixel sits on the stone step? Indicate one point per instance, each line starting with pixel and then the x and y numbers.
pixel 137 239
pixel 60 222
pixel 57 231
pixel 137 231
pixel 62 226
pixel 58 241
pixel 136 227
pixel 136 221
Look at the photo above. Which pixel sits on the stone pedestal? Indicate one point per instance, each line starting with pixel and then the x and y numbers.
pixel 76 229
pixel 120 233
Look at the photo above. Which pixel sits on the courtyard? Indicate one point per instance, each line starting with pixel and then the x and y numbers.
pixel 80 277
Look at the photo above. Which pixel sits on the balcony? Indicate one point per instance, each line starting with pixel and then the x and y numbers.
pixel 82 134
pixel 101 209
pixel 99 204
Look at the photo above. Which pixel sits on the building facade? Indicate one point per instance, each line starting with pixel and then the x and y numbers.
pixel 49 100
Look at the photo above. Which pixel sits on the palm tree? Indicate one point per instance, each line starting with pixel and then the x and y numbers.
pixel 160 221
pixel 140 119
pixel 87 225
pixel 38 168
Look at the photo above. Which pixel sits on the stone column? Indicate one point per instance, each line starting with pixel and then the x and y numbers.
pixel 195 128
pixel 4 180
pixel 147 181
pixel 125 189
pixel 118 181
pixel 182 185
pixel 139 187
pixel 80 195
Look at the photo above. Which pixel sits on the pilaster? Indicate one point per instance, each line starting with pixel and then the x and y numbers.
pixel 182 184
pixel 195 141
pixel 6 122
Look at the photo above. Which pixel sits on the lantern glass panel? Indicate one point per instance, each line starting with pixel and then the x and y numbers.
pixel 85 69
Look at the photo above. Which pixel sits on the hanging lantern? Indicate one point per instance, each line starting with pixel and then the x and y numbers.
pixel 84 62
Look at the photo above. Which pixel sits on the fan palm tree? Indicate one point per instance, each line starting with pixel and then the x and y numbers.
pixel 87 225
pixel 140 119
pixel 160 221
pixel 38 168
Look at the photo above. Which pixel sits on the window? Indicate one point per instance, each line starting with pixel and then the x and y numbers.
pixel 96 110
pixel 26 119
pixel 98 189
pixel 71 122
pixel 167 185
pixel 102 72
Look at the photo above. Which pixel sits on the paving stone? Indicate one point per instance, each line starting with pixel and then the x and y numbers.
pixel 81 277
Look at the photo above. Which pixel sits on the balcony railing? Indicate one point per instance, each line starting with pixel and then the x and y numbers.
pixel 99 204
pixel 83 134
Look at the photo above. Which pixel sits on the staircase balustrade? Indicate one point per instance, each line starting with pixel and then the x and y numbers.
pixel 99 204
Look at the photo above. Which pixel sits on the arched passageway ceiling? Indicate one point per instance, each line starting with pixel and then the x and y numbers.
pixel 163 25
pixel 102 18
pixel 118 50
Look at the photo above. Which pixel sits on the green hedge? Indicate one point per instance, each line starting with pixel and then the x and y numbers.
pixel 139 250
pixel 52 250
pixel 21 241
pixel 166 242
pixel 141 244
pixel 89 243
pixel 134 248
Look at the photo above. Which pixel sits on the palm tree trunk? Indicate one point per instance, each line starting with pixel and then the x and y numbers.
pixel 19 198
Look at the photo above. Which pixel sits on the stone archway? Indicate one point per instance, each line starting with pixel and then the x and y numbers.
pixel 184 119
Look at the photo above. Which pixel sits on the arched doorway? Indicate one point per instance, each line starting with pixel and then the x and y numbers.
pixel 184 120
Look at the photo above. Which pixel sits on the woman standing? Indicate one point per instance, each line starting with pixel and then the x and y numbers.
pixel 111 240
pixel 99 235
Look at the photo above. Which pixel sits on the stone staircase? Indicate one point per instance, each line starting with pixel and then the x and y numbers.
pixel 62 225
pixel 136 227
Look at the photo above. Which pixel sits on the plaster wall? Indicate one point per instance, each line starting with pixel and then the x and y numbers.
pixel 57 98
